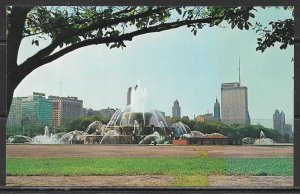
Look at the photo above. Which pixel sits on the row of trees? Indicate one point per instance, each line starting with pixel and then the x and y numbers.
pixel 232 130
pixel 80 123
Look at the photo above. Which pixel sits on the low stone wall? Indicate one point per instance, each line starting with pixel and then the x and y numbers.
pixel 180 142
pixel 214 141
pixel 120 139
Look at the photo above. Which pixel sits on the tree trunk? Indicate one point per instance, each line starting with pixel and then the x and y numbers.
pixel 16 20
pixel 15 26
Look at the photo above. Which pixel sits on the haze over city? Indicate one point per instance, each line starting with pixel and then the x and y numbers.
pixel 173 65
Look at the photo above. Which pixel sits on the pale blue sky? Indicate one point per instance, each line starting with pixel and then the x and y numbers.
pixel 172 65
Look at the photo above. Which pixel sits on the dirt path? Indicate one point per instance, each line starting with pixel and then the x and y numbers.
pixel 50 151
pixel 146 181
pixel 251 181
pixel 90 181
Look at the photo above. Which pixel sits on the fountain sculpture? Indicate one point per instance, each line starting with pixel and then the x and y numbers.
pixel 137 123
pixel 262 140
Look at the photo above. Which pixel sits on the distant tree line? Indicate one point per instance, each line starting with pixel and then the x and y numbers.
pixel 80 124
pixel 230 130
pixel 233 130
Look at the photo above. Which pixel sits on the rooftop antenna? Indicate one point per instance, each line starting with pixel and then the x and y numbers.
pixel 239 70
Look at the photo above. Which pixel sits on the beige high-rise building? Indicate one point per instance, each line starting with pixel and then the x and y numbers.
pixel 15 113
pixel 234 103
pixel 65 109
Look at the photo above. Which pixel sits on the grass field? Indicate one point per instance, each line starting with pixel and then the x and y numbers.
pixel 81 165
pixel 189 166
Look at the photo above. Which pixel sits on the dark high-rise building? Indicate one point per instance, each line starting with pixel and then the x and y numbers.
pixel 276 120
pixel 176 112
pixel 279 121
pixel 217 110
pixel 282 121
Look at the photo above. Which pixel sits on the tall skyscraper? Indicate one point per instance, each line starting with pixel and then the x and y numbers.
pixel 234 102
pixel 217 110
pixel 279 121
pixel 37 110
pixel 176 112
pixel 65 109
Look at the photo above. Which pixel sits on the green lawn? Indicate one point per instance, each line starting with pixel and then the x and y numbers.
pixel 175 166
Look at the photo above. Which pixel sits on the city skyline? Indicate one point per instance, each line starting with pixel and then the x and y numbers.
pixel 176 110
pixel 173 65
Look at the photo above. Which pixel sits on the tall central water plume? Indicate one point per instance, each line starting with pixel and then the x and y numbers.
pixel 138 110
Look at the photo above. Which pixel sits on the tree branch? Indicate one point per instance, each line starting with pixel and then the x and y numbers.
pixel 29 66
pixel 55 43
pixel 35 62
pixel 107 23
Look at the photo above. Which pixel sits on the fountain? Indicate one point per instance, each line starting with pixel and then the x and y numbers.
pixel 19 139
pixel 153 139
pixel 46 138
pixel 137 123
pixel 46 131
pixel 262 140
pixel 181 129
pixel 111 137
pixel 94 127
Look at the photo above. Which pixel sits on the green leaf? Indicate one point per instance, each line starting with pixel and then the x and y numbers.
pixel 246 26
pixel 132 12
pixel 99 33
pixel 240 25
pixel 232 25
pixel 113 45
pixel 152 22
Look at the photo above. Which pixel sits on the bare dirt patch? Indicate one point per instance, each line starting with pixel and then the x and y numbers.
pixel 251 181
pixel 91 181
pixel 52 151
pixel 146 181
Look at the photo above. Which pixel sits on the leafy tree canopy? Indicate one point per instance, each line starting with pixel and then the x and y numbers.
pixel 73 27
